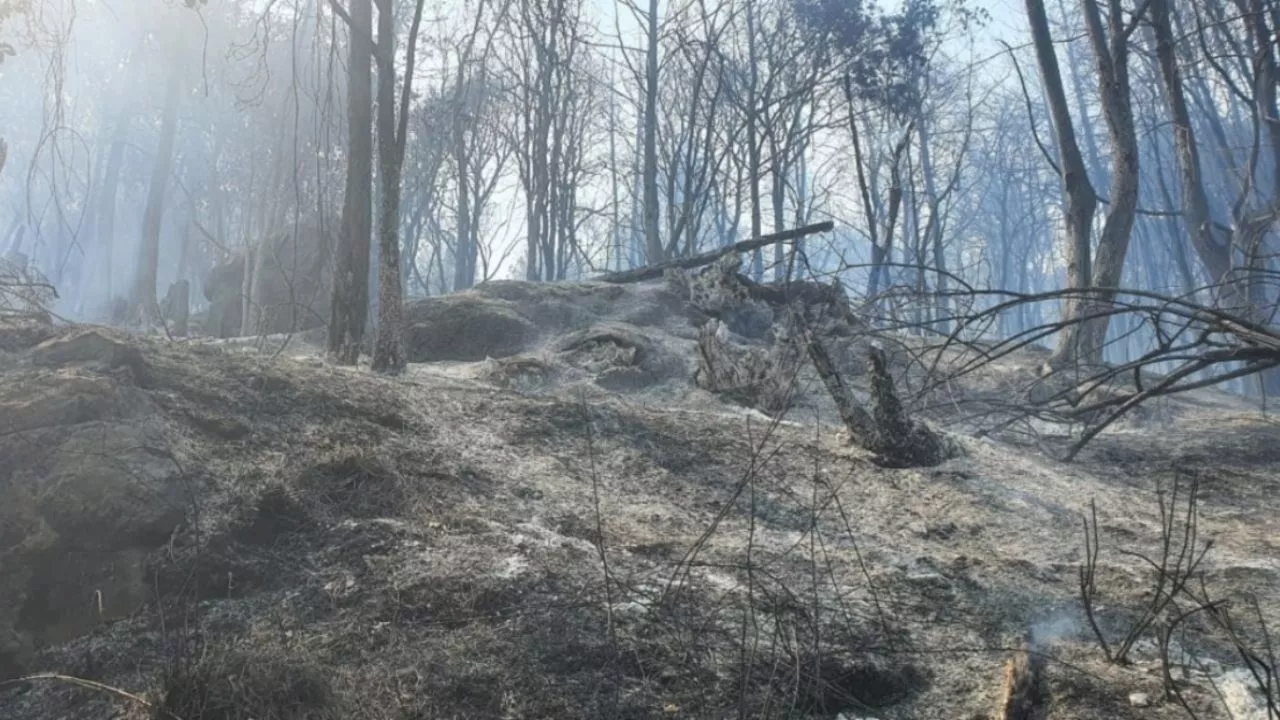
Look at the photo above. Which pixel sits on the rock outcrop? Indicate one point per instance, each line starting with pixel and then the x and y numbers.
pixel 465 326
pixel 291 280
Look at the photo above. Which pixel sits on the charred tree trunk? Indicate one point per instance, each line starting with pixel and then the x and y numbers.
pixel 351 280
pixel 177 308
pixel 145 310
pixel 1111 50
pixel 388 347
pixel 1081 198
pixel 886 431
pixel 1020 693
pixel 107 207
pixel 654 250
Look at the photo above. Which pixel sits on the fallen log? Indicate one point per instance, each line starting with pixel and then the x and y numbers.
pixel 649 272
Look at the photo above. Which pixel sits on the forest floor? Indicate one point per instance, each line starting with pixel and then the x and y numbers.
pixel 578 531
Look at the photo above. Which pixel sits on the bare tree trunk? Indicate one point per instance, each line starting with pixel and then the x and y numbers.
pixel 777 196
pixel 110 190
pixel 1214 248
pixel 1075 66
pixel 615 220
pixel 351 279
pixel 864 191
pixel 145 309
pixel 753 143
pixel 895 203
pixel 177 308
pixel 259 250
pixel 654 250
pixel 388 348
pixel 934 229
pixel 1111 50
pixel 464 257
pixel 467 110
pixel 1081 198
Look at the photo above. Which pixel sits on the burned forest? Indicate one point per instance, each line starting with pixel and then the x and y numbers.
pixel 623 359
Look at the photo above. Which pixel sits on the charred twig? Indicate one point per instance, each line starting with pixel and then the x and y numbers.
pixel 1088 573
pixel 1181 555
pixel 1176 566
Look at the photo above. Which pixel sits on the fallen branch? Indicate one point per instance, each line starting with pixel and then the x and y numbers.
pixel 649 272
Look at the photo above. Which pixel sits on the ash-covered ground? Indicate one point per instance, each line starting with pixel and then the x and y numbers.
pixel 546 517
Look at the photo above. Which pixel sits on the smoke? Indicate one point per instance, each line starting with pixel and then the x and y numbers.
pixel 1057 625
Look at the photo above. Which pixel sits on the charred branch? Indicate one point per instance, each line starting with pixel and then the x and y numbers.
pixel 650 272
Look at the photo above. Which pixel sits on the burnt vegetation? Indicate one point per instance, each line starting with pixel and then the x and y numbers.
pixel 688 358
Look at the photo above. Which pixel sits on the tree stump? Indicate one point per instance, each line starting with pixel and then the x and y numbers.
pixel 1020 694
pixel 886 431
pixel 754 377
pixel 177 308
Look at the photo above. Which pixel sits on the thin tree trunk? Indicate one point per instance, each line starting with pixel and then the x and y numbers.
pixel 778 191
pixel 1213 248
pixel 254 309
pixel 464 257
pixel 934 234
pixel 864 191
pixel 654 250
pixel 753 144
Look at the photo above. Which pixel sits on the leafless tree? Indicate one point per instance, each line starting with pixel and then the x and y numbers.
pixel 476 149
pixel 555 94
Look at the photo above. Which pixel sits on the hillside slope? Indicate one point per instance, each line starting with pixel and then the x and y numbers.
pixel 546 518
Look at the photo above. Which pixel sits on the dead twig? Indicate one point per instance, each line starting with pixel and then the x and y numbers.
pixel 90 685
